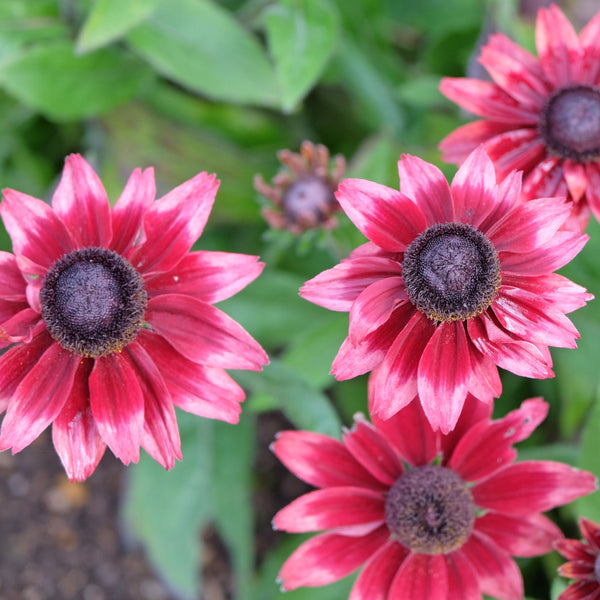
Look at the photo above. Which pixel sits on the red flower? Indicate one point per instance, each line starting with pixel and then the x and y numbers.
pixel 430 516
pixel 111 321
pixel 584 563
pixel 454 281
pixel 541 116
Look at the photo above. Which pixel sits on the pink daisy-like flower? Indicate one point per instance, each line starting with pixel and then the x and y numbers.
pixel 584 563
pixel 454 281
pixel 430 516
pixel 541 116
pixel 111 322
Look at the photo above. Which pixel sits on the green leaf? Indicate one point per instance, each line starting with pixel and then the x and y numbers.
pixel 51 79
pixel 201 46
pixel 233 452
pixel 301 35
pixel 166 509
pixel 111 19
pixel 271 309
pixel 311 352
pixel 589 459
pixel 303 404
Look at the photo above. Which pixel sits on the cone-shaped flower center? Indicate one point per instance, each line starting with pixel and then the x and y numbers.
pixel 308 199
pixel 430 510
pixel 451 271
pixel 570 123
pixel 93 302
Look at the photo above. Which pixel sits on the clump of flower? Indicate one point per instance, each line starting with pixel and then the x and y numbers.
pixel 453 282
pixel 584 563
pixel 426 515
pixel 541 115
pixel 303 196
pixel 110 322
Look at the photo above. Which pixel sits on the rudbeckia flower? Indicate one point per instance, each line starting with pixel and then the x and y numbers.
pixel 584 563
pixel 110 322
pixel 428 516
pixel 541 115
pixel 302 197
pixel 455 281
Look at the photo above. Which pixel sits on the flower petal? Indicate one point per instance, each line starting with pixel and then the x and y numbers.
pixel 117 404
pixel 372 451
pixel 421 577
pixel 529 226
pixel 80 201
pixel 12 283
pixel 557 45
pixel 374 306
pixel 375 579
pixel 128 212
pixel 521 312
pixel 160 436
pixel 564 246
pixel 457 145
pixel 444 374
pixel 339 287
pixel 387 217
pixel 353 360
pixel 474 188
pixel 516 71
pixel 497 573
pixel 517 149
pixel 320 460
pixel 331 507
pixel 427 186
pixel 203 333
pixel 38 235
pixel 205 391
pixel 532 486
pixel 328 557
pixel 462 582
pixel 208 276
pixel 411 434
pixel 544 179
pixel 39 398
pixel 488 446
pixel 488 100
pixel 587 69
pixel 396 382
pixel 591 532
pixel 485 383
pixel 177 220
pixel 74 430
pixel 520 536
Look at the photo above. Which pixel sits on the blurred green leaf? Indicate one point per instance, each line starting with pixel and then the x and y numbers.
pixel 201 46
pixel 166 509
pixel 271 309
pixel 301 35
pixel 589 459
pixel 50 78
pixel 304 405
pixel 233 459
pixel 111 19
pixel 311 352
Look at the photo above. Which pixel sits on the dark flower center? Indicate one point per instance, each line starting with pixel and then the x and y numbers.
pixel 93 302
pixel 451 271
pixel 430 510
pixel 308 200
pixel 570 123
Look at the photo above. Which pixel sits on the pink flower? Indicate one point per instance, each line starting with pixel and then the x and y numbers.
pixel 454 281
pixel 111 322
pixel 584 563
pixel 429 516
pixel 541 116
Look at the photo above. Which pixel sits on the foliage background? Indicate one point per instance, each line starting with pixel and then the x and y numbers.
pixel 220 86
